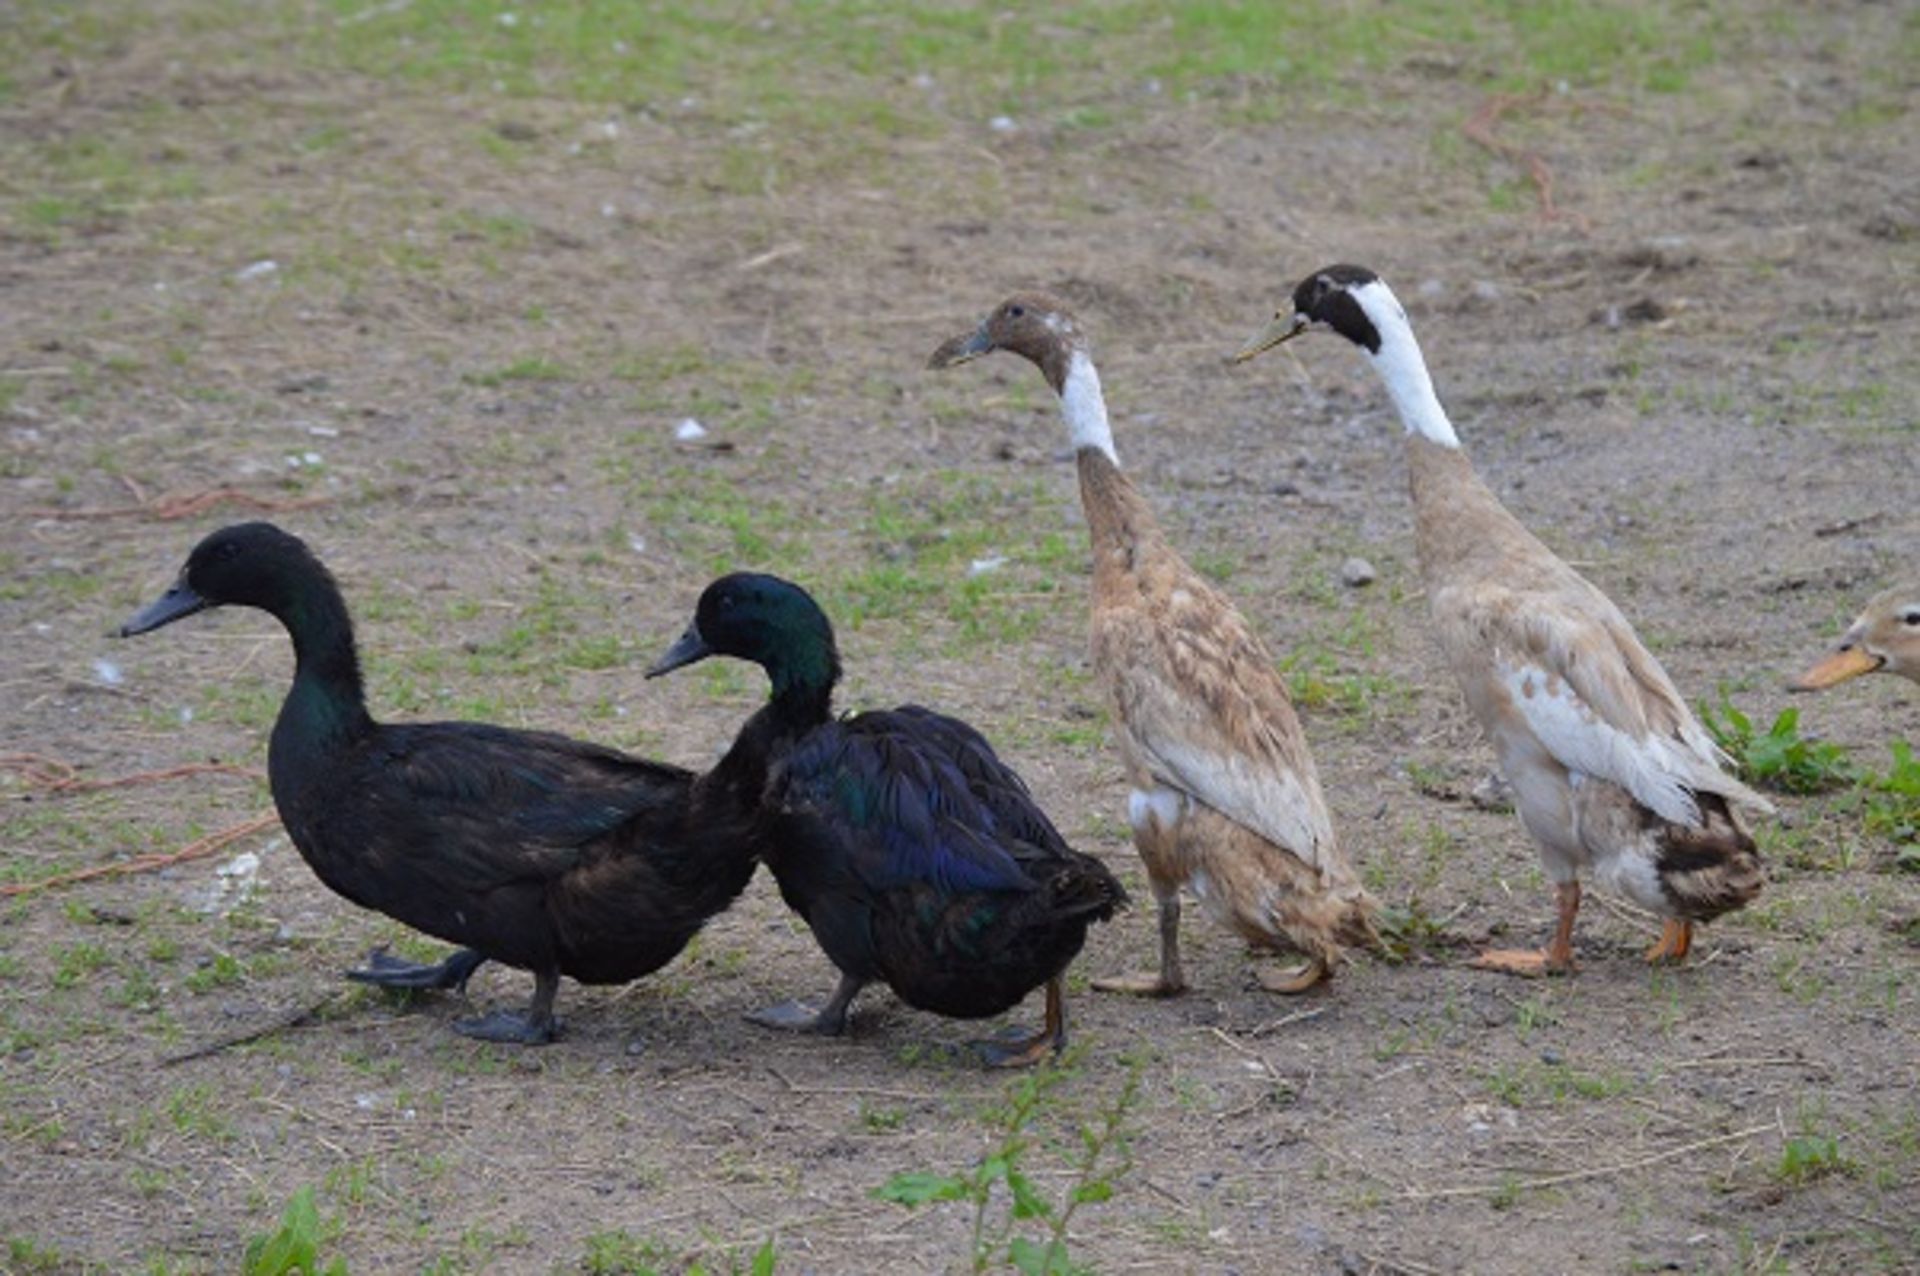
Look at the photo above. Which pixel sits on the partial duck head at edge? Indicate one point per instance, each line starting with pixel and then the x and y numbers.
pixel 1885 636
pixel 245 564
pixel 764 619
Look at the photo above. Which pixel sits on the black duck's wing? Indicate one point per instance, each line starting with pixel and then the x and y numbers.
pixel 511 805
pixel 993 783
pixel 898 802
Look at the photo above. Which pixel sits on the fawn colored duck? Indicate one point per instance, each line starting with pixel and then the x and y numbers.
pixel 1611 772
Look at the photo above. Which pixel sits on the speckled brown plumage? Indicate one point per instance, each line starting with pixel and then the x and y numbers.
pixel 1226 799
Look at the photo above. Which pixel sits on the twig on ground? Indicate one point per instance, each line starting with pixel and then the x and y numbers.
pixel 197 849
pixel 1580 1176
pixel 1298 1016
pixel 279 1023
pixel 56 776
pixel 186 505
pixel 923 1096
pixel 1479 129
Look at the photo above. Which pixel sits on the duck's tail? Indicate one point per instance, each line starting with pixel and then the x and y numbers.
pixel 1709 870
pixel 1082 887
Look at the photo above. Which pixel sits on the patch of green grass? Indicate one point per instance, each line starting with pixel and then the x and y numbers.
pixel 219 971
pixel 530 368
pixel 1892 805
pixel 1528 1084
pixel 77 961
pixel 1807 1157
pixel 25 1254
pixel 1779 757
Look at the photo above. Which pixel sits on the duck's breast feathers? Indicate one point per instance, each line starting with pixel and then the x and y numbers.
pixel 1204 708
pixel 914 797
pixel 542 798
pixel 1565 666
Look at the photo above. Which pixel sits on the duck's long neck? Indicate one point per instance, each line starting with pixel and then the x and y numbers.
pixel 1084 408
pixel 802 699
pixel 327 701
pixel 1409 385
pixel 1118 517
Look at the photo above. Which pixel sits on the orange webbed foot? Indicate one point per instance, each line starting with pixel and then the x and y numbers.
pixel 1676 940
pixel 1292 982
pixel 1529 963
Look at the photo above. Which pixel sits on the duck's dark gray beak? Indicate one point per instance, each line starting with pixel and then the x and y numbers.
pixel 164 610
pixel 1283 328
pixel 962 349
pixel 691 648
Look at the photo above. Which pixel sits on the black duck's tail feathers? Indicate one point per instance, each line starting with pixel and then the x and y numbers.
pixel 1082 886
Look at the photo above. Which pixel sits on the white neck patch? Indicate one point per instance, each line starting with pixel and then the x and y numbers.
pixel 1084 408
pixel 1402 368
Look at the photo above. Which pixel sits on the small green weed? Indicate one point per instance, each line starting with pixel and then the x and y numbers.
pixel 1101 1159
pixel 1780 757
pixel 293 1249
pixel 1811 1156
pixel 1893 805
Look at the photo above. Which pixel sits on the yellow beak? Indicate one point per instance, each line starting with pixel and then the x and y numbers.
pixel 1283 328
pixel 1846 662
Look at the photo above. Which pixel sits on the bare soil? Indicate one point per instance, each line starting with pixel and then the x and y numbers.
pixel 486 318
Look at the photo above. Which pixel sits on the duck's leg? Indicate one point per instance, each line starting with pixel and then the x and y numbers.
pixel 393 972
pixel 1156 815
pixel 829 1020
pixel 1676 939
pixel 1556 958
pixel 534 1026
pixel 1024 1052
pixel 1298 980
pixel 1170 981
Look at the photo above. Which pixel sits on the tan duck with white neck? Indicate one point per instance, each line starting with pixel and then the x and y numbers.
pixel 1611 773
pixel 1225 800
pixel 1885 638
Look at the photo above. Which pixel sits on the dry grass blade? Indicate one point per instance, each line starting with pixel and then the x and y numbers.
pixel 188 504
pixel 196 849
pixel 1581 1176
pixel 1479 129
pixel 55 776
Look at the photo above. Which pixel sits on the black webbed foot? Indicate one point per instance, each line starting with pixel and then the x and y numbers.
pixel 1016 1049
pixel 386 971
pixel 829 1020
pixel 797 1016
pixel 510 1027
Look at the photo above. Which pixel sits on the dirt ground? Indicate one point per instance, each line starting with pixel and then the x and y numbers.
pixel 485 317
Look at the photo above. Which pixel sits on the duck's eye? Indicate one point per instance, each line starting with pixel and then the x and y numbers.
pixel 1016 311
pixel 1911 618
pixel 226 553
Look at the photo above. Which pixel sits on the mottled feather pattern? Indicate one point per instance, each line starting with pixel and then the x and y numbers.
pixel 1609 765
pixel 1506 607
pixel 1196 693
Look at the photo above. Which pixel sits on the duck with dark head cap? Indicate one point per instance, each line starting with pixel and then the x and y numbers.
pixel 1612 774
